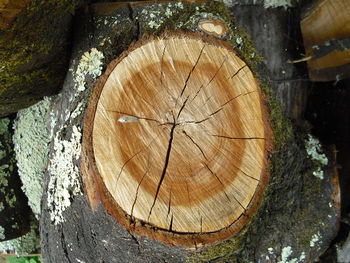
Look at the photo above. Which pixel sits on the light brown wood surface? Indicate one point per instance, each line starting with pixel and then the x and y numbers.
pixel 180 135
pixel 326 20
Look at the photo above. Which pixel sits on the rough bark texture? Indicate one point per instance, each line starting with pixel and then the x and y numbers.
pixel 296 220
pixel 34 53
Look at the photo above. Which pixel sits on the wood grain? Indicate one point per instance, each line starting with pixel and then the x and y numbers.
pixel 178 134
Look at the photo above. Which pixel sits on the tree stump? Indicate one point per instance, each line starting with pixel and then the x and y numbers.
pixel 178 138
pixel 204 138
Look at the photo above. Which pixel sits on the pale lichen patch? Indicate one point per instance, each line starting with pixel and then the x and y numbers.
pixel 23 245
pixel 2 233
pixel 31 144
pixel 314 151
pixel 278 3
pixel 315 239
pixel 286 255
pixel 89 64
pixel 64 180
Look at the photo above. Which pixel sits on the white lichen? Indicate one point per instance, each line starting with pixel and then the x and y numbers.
pixel 314 151
pixel 154 25
pixel 168 12
pixel 278 3
pixel 23 245
pixel 315 239
pixel 179 5
pixel 31 144
pixel 239 40
pixel 270 250
pixel 318 173
pixel 286 254
pixel 63 168
pixel 89 64
pixel 2 233
pixel 64 180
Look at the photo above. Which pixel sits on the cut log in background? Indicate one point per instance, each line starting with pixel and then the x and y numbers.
pixel 34 44
pixel 298 212
pixel 326 34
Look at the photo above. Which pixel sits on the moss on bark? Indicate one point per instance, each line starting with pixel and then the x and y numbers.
pixel 34 53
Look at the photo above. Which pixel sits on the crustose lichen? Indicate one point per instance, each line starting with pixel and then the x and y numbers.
pixel 314 151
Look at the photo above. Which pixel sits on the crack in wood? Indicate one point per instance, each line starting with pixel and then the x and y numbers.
pixel 171 223
pixel 237 138
pixel 167 157
pixel 212 78
pixel 147 147
pixel 196 144
pixel 169 203
pixel 182 107
pixel 190 73
pixel 199 90
pixel 162 72
pixel 240 95
pixel 237 72
pixel 217 177
pixel 125 163
pixel 238 168
pixel 137 191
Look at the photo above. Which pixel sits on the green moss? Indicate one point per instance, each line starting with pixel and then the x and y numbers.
pixel 33 53
pixel 25 244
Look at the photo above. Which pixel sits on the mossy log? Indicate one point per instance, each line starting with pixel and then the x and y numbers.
pixel 97 130
pixel 34 44
pixel 15 214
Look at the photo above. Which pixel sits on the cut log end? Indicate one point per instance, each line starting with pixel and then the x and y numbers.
pixel 176 140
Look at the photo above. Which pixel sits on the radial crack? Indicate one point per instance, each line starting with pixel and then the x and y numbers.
pixel 242 94
pixel 167 157
pixel 161 70
pixel 237 72
pixel 238 138
pixel 169 203
pixel 137 192
pixel 217 177
pixel 200 88
pixel 190 73
pixel 217 72
pixel 182 107
pixel 230 100
pixel 238 168
pixel 127 161
pixel 171 223
pixel 212 78
pixel 198 147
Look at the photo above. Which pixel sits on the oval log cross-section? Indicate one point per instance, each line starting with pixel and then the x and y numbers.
pixel 176 140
